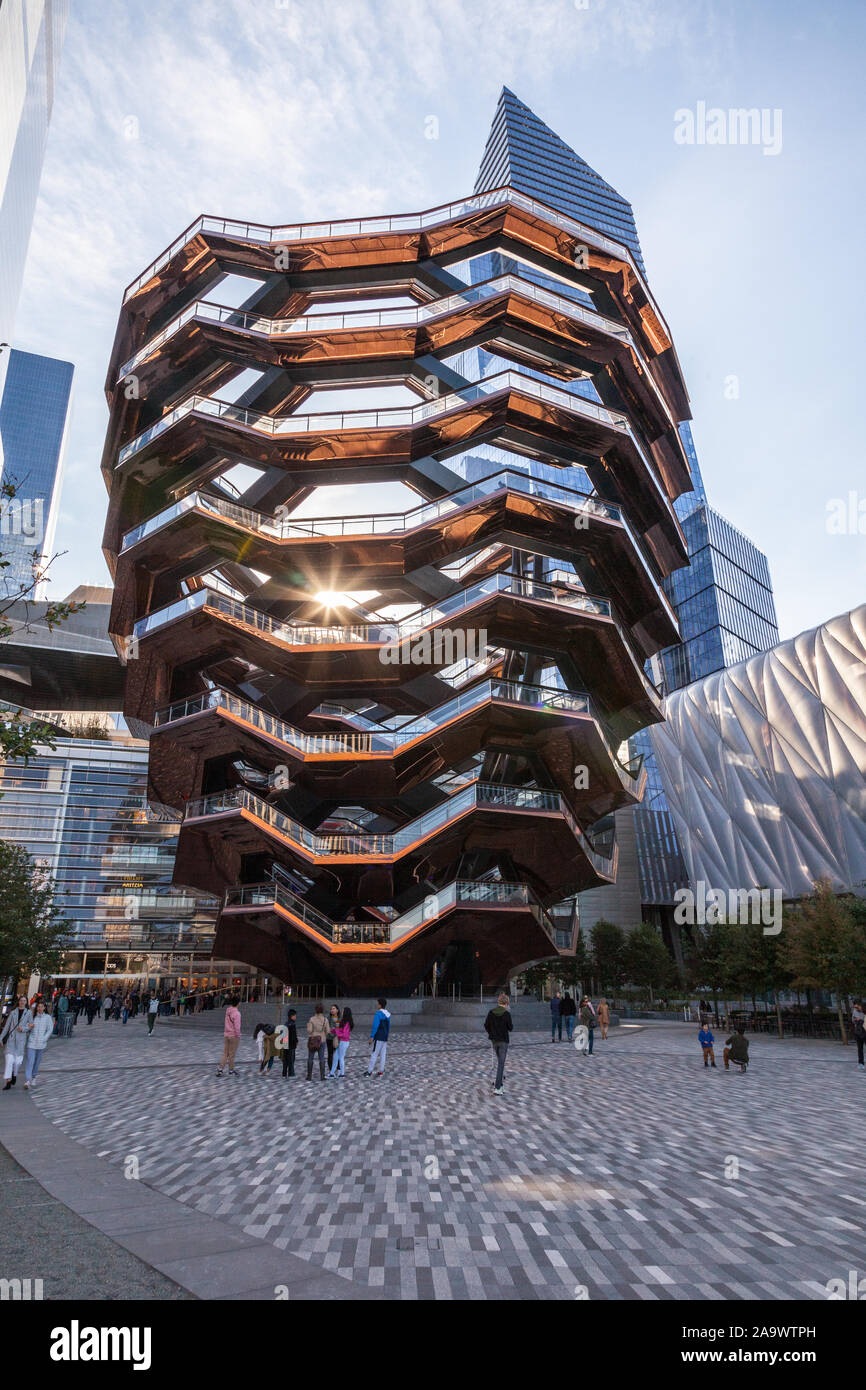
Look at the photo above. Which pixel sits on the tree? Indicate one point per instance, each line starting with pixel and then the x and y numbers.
pixel 645 959
pixel 19 734
pixel 608 941
pixel 32 928
pixel 824 946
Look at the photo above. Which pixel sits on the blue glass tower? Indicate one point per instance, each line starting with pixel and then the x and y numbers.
pixel 724 598
pixel 33 415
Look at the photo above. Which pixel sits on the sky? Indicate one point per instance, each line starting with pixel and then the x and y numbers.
pixel 282 111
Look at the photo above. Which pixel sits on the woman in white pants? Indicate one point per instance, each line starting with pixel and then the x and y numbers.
pixel 14 1036
pixel 37 1040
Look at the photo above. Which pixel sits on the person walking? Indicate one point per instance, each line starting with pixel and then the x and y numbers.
pixel 291 1046
pixel 331 1041
pixel 40 1030
pixel 567 1013
pixel 124 1012
pixel 498 1025
pixel 342 1038
pixel 231 1037
pixel 603 1017
pixel 318 1028
pixel 858 1022
pixel 379 1035
pixel 555 1017
pixel 107 1006
pixel 91 1004
pixel 152 1012
pixel 707 1042
pixel 14 1037
pixel 588 1019
pixel 62 1012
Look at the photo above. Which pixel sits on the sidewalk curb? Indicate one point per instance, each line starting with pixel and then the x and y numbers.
pixel 172 1238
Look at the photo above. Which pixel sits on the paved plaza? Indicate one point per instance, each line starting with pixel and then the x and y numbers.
pixel 631 1175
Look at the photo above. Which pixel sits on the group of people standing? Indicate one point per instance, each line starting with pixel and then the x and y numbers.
pixel 564 1010
pixel 328 1037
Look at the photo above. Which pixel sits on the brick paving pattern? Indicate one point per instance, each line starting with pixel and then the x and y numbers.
pixel 604 1177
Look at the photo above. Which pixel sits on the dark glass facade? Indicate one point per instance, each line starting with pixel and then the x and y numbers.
pixel 33 417
pixel 524 152
pixel 724 599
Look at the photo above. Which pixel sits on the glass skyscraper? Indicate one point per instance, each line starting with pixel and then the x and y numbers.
pixel 723 599
pixel 81 811
pixel 34 410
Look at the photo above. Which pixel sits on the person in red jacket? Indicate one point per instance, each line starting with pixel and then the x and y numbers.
pixel 231 1038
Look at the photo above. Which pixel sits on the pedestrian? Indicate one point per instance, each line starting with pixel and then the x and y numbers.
pixel 14 1036
pixel 567 1013
pixel 107 1006
pixel 40 1030
pixel 379 1034
pixel 152 1011
pixel 91 1004
pixel 331 1041
pixel 555 1017
pixel 588 1019
pixel 76 1003
pixel 736 1050
pixel 231 1037
pixel 497 1025
pixel 342 1038
pixel 858 1020
pixel 318 1028
pixel 62 1010
pixel 707 1042
pixel 124 1012
pixel 291 1045
pixel 265 1039
pixel 603 1017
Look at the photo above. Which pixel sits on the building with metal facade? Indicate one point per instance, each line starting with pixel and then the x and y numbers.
pixel 764 765
pixel 394 737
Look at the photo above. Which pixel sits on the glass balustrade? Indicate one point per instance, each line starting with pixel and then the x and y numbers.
pixel 379 740
pixel 373 226
pixel 433 905
pixel 206 311
pixel 393 843
pixel 390 417
pixel 386 524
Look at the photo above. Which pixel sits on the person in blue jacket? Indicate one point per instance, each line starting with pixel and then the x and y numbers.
pixel 379 1034
pixel 707 1042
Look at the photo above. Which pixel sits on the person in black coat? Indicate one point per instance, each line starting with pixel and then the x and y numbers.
pixel 498 1025
pixel 291 1046
pixel 567 1012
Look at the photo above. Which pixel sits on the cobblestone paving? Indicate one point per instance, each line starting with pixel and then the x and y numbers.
pixel 607 1177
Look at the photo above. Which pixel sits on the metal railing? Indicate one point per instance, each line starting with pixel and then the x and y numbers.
pixel 373 226
pixel 284 528
pixel 393 843
pixel 376 933
pixel 388 417
pixel 379 739
pixel 388 633
pixel 207 311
